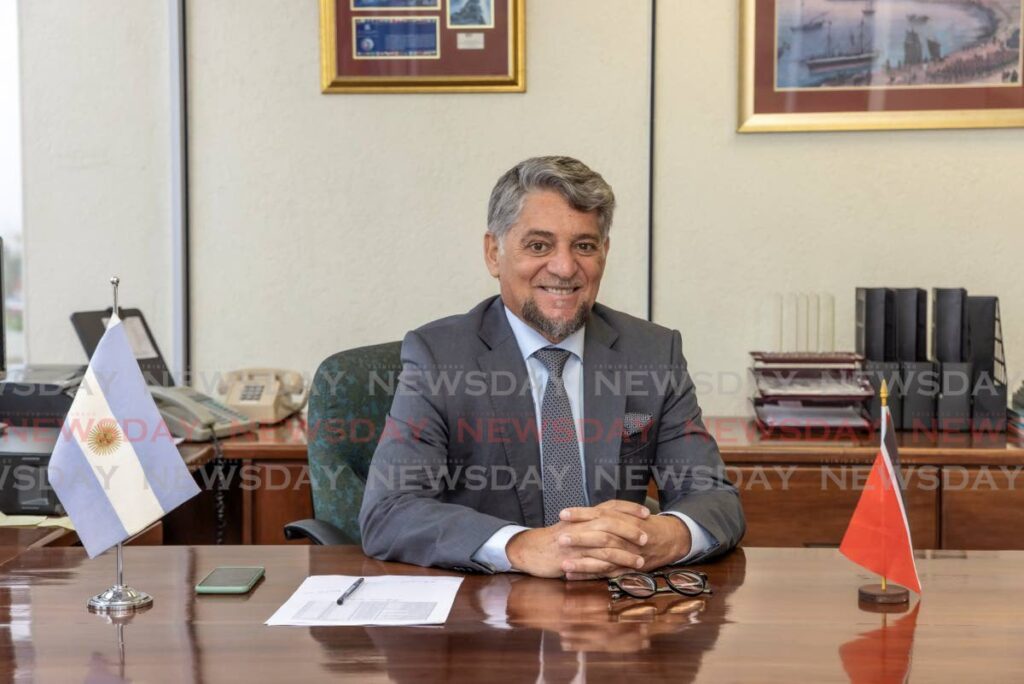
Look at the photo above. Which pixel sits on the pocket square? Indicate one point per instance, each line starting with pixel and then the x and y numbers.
pixel 632 423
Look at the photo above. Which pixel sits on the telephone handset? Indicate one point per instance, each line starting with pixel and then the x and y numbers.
pixel 266 395
pixel 196 417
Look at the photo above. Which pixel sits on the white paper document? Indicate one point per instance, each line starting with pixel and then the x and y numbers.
pixel 384 600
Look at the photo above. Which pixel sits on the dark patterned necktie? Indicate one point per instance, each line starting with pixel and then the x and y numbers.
pixel 560 449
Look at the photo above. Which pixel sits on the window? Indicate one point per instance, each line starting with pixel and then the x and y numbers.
pixel 10 182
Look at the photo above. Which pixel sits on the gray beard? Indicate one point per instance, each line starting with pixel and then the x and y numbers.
pixel 554 330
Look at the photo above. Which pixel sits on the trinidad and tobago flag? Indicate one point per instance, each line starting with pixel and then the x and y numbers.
pixel 878 537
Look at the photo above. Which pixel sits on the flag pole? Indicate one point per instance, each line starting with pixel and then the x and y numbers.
pixel 882 594
pixel 883 394
pixel 115 281
pixel 119 598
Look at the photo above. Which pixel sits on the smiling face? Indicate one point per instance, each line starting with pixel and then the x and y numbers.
pixel 550 264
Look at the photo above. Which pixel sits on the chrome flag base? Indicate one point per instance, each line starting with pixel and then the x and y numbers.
pixel 119 599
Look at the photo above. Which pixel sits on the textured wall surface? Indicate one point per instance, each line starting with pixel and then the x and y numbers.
pixel 323 222
pixel 95 149
pixel 740 217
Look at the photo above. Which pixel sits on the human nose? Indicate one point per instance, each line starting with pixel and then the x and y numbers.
pixel 563 263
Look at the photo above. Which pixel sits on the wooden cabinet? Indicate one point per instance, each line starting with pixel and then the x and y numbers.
pixel 273 480
pixel 983 508
pixel 963 491
pixel 283 496
pixel 810 505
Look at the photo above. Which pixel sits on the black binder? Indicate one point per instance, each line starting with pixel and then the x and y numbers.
pixel 981 317
pixel 876 323
pixel 949 325
pixel 988 369
pixel 953 408
pixel 921 384
pixel 912 324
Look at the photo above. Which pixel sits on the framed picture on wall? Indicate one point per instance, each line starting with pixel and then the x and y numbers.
pixel 828 65
pixel 418 46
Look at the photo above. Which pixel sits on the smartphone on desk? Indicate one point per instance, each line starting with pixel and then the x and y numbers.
pixel 230 580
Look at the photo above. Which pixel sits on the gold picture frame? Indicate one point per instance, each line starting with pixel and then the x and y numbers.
pixel 823 108
pixel 474 58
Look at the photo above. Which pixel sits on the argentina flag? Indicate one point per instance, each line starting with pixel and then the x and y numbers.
pixel 115 467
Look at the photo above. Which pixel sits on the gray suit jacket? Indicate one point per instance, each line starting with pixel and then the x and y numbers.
pixel 459 457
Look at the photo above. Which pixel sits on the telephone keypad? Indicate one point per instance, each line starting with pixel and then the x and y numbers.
pixel 251 393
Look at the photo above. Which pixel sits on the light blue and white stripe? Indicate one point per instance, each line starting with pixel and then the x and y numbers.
pixel 115 492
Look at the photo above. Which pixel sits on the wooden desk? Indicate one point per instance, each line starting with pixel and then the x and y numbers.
pixel 780 615
pixel 15 541
pixel 964 491
pixel 275 456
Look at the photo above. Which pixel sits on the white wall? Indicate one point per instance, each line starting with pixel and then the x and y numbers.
pixel 738 217
pixel 10 141
pixel 322 222
pixel 10 182
pixel 95 164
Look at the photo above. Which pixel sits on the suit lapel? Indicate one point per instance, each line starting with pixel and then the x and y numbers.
pixel 503 365
pixel 604 404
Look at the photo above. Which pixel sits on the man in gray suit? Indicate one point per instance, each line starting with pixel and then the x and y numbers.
pixel 523 434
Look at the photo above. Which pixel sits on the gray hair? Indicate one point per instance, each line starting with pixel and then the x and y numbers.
pixel 583 188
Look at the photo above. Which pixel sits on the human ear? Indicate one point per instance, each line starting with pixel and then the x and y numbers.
pixel 491 253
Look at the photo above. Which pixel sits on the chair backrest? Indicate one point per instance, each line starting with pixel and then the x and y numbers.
pixel 348 404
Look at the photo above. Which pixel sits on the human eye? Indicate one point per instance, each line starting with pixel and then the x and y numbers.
pixel 536 247
pixel 588 247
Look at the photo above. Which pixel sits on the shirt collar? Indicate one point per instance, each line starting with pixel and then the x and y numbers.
pixel 530 340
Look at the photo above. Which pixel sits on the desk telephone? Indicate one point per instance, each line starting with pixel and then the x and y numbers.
pixel 266 395
pixel 253 396
pixel 196 417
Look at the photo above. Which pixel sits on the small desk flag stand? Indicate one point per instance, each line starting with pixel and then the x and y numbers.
pixel 884 592
pixel 119 598
pixel 878 536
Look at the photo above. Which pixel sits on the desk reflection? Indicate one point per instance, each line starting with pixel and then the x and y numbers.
pixel 883 655
pixel 512 627
pixel 796 618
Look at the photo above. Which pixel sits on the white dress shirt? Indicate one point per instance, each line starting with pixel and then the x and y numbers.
pixel 492 552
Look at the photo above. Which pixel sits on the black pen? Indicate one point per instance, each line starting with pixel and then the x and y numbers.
pixel 350 590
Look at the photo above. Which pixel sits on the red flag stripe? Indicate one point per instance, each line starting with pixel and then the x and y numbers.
pixel 891 457
pixel 878 536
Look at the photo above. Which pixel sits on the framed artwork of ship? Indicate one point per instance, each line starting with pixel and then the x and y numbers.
pixel 830 65
pixel 415 46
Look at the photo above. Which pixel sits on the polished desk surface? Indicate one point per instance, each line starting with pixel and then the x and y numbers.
pixel 15 541
pixel 776 615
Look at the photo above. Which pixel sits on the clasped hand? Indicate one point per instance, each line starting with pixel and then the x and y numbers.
pixel 606 540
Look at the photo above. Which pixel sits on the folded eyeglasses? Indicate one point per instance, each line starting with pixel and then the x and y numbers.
pixel 642 585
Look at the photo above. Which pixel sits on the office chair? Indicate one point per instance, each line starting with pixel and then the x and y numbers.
pixel 348 404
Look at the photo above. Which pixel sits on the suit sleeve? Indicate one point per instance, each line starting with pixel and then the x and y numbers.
pixel 404 516
pixel 688 467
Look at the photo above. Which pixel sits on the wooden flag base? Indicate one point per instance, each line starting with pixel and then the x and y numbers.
pixel 873 593
pixel 883 608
